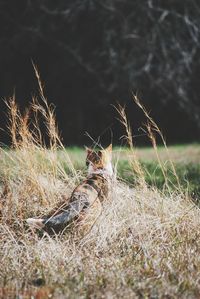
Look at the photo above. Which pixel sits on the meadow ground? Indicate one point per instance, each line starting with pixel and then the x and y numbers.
pixel 186 158
pixel 145 243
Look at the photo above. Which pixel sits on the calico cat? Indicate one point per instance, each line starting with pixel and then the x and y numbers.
pixel 86 197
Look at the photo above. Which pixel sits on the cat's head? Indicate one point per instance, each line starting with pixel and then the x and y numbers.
pixel 99 160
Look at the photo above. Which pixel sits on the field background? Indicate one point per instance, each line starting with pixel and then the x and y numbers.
pixel 186 158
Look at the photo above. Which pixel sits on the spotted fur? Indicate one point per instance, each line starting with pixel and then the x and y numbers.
pixel 87 197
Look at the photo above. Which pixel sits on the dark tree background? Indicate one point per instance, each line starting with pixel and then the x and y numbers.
pixel 94 53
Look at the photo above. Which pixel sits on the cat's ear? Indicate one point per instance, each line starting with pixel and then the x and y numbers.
pixel 88 150
pixel 109 148
pixel 88 155
pixel 99 153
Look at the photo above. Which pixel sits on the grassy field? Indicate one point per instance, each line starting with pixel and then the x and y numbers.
pixel 144 244
pixel 186 159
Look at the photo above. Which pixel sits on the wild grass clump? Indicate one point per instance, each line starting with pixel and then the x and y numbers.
pixel 33 171
pixel 144 244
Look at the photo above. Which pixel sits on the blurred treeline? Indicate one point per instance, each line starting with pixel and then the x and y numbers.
pixel 94 53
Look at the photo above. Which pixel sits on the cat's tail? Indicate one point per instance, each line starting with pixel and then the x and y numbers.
pixel 62 219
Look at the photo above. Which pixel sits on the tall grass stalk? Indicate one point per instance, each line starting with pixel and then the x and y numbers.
pixel 134 161
pixel 151 128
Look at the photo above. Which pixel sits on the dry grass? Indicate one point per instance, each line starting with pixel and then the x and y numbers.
pixel 143 245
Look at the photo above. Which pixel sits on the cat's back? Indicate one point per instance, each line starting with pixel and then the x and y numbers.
pixel 93 188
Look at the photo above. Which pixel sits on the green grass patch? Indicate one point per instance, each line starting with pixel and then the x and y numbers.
pixel 188 175
pixel 186 159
